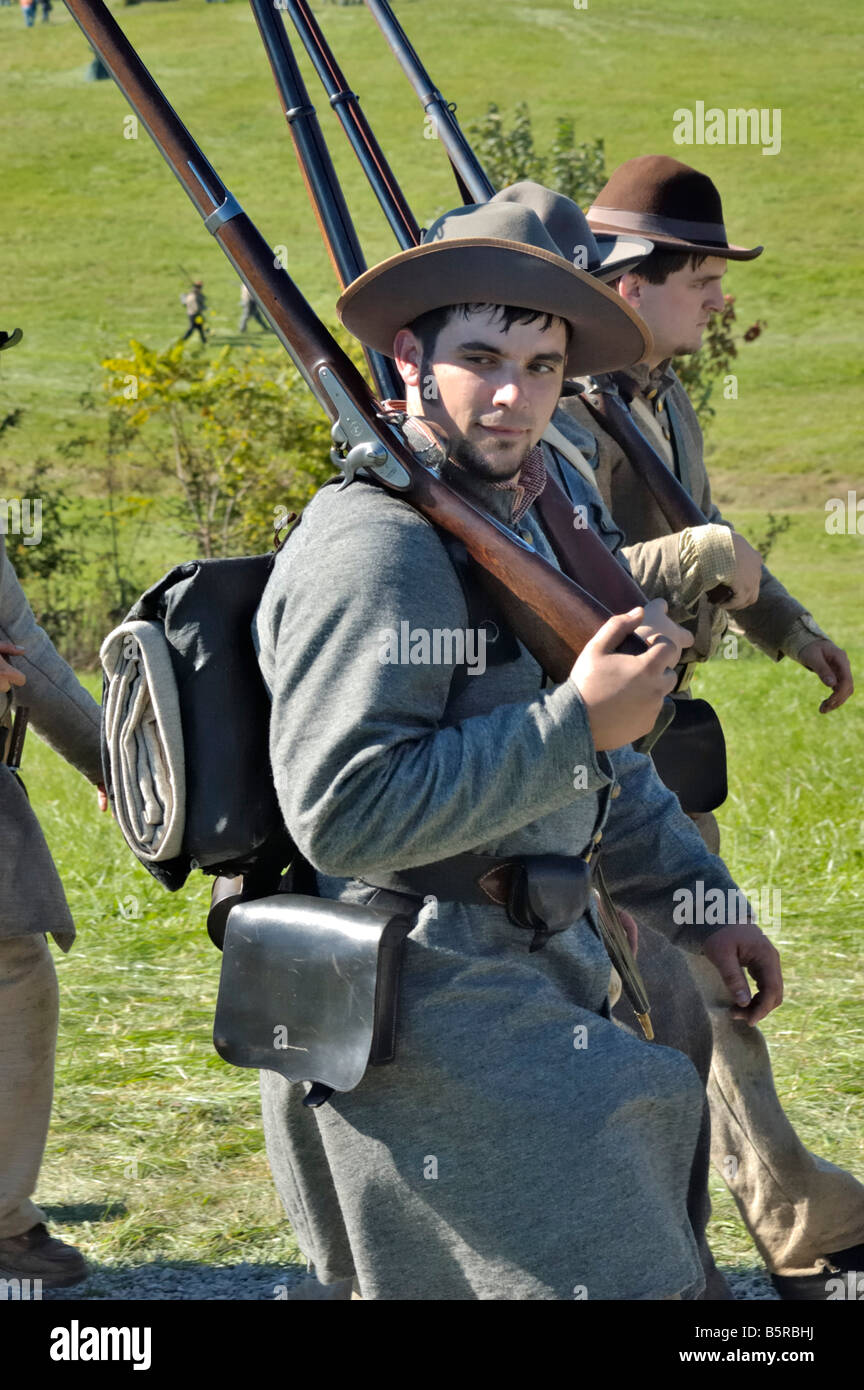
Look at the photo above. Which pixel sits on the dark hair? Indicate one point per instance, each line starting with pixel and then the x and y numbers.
pixel 427 327
pixel 657 267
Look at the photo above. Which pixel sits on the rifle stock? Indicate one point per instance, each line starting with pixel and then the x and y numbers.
pixel 671 497
pixel 552 616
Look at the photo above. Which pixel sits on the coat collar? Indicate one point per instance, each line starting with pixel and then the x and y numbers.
pixel 509 501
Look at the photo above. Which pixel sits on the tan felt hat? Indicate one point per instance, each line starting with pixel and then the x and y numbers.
pixel 495 253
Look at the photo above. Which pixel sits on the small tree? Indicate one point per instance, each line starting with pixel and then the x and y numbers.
pixel 243 440
pixel 579 171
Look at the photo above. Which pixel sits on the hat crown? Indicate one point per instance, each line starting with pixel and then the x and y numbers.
pixel 662 187
pixel 493 221
pixel 563 219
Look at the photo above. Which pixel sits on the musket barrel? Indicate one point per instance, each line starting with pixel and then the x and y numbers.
pixel 346 104
pixel 447 128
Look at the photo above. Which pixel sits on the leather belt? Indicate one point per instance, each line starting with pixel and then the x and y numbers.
pixel 542 893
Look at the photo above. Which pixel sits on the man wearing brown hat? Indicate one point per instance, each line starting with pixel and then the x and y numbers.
pixel 802 1212
pixel 520 1146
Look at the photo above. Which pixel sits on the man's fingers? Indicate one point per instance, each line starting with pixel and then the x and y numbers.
pixel 615 629
pixel 764 966
pixel 10 649
pixel 733 977
pixel 839 676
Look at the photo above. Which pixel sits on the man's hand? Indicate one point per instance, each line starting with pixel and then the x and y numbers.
pixel 748 574
pixel 10 675
pixel 732 948
pixel 831 665
pixel 101 796
pixel 623 694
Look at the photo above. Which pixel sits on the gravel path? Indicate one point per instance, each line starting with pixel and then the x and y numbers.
pixel 260 1282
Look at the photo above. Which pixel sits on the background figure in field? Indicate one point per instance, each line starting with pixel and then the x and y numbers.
pixel 195 304
pixel 251 309
pixel 46 10
pixel 28 9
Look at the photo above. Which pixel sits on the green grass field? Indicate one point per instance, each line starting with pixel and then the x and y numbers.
pixel 156 1150
pixel 96 226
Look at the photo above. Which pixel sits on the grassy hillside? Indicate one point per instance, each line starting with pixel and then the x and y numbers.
pixel 96 226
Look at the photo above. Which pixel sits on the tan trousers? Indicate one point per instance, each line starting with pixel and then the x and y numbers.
pixel 28 1039
pixel 798 1208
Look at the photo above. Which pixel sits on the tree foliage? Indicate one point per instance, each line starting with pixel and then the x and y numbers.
pixel 508 156
pixel 240 437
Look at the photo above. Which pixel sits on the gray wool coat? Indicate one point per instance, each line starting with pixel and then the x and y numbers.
pixel 520 1146
pixel 61 711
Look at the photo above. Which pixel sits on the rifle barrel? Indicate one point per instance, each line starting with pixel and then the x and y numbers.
pixel 346 104
pixel 316 166
pixel 470 171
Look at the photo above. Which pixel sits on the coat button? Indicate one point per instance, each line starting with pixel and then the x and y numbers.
pixel 615 792
pixel 527 537
pixel 659 405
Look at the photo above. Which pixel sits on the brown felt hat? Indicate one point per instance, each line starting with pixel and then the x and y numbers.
pixel 495 253
pixel 674 205
pixel 605 256
pixel 10 340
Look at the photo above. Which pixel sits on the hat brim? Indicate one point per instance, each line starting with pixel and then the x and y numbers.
pixel 618 254
pixel 607 334
pixel 675 243
pixel 10 340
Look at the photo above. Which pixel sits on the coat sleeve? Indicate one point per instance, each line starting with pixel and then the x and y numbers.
pixel 369 772
pixel 653 856
pixel 61 710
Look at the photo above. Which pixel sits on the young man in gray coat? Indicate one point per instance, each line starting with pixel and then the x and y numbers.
pixel 521 1146
pixel 32 903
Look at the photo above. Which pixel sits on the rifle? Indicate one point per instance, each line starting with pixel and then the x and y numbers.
pixel 672 498
pixel 346 104
pixel 553 616
pixel 474 183
pixel 319 176
pixel 586 561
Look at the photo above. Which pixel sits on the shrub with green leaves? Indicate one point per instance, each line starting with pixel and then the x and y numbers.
pixel 239 436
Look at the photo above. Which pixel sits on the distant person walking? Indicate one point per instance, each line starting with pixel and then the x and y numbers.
pixel 46 10
pixel 251 309
pixel 195 305
pixel 28 9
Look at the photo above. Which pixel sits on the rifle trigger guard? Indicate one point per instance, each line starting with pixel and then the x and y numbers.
pixel 230 208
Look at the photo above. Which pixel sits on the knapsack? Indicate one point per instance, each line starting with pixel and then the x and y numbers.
pixel 185 724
